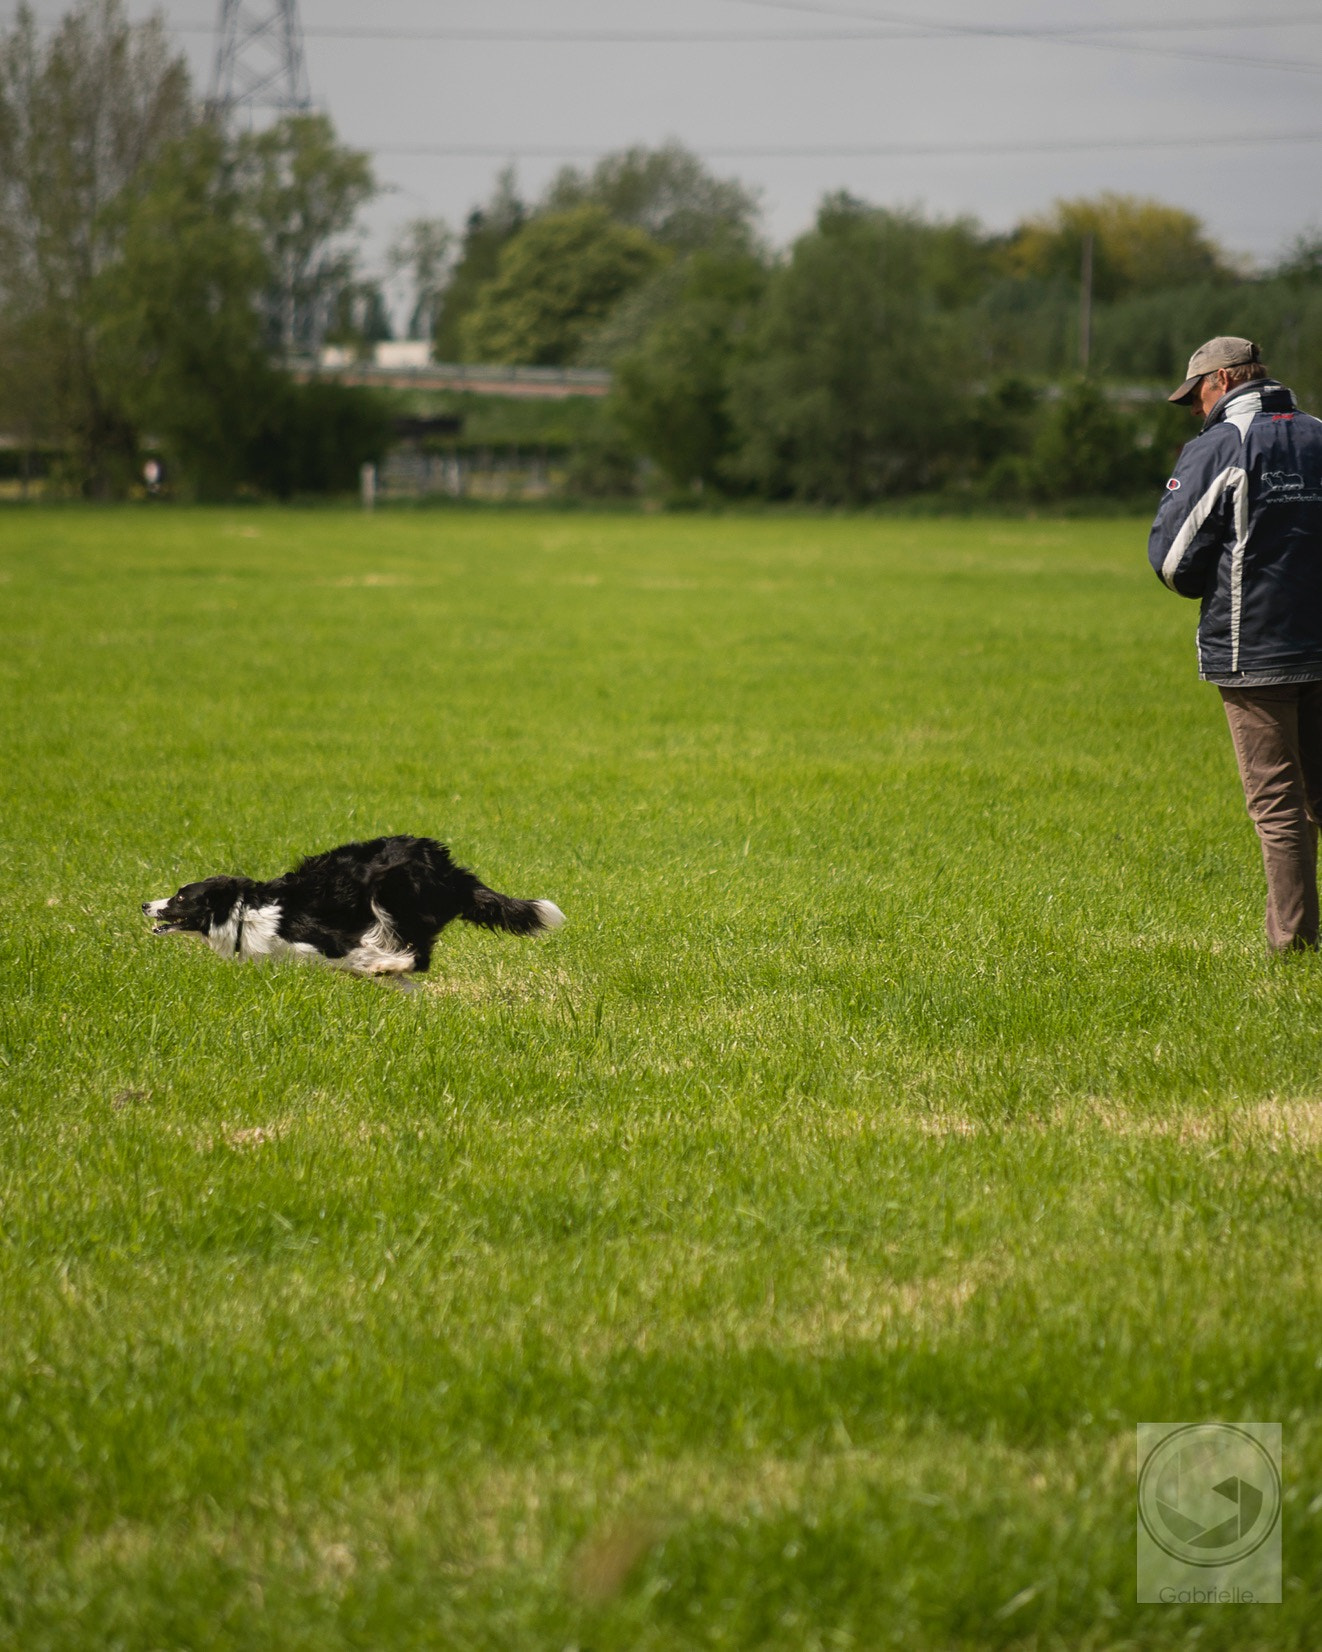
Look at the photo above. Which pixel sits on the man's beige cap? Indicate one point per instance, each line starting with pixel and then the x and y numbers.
pixel 1217 352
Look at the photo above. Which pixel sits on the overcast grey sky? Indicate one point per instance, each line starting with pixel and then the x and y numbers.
pixel 1014 111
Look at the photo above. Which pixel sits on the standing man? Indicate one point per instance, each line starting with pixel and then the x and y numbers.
pixel 1240 528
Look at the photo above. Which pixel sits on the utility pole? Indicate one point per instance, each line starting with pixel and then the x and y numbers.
pixel 259 60
pixel 1085 303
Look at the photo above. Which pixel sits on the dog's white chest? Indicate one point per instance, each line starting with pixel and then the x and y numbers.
pixel 255 933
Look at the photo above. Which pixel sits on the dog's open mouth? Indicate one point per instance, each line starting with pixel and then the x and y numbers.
pixel 162 925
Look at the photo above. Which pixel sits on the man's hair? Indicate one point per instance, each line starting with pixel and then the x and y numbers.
pixel 1245 375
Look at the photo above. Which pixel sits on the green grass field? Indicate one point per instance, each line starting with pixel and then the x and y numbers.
pixel 778 1256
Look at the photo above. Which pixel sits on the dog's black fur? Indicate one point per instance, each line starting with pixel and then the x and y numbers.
pixel 375 908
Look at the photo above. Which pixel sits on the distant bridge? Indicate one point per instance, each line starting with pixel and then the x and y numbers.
pixel 546 382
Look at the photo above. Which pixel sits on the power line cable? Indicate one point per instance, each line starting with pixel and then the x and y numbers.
pixel 1051 31
pixel 884 30
pixel 677 37
pixel 881 29
pixel 847 151
pixel 1078 35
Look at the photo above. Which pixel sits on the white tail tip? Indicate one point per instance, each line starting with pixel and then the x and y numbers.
pixel 550 914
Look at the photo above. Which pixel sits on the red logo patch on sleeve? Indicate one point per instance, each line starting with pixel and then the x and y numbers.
pixel 1173 486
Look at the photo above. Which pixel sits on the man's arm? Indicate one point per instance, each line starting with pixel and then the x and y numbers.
pixel 1195 521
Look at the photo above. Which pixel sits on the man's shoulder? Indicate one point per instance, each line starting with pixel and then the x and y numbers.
pixel 1307 426
pixel 1279 432
pixel 1272 408
pixel 1209 451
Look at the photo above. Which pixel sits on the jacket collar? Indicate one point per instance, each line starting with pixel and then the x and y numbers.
pixel 1266 394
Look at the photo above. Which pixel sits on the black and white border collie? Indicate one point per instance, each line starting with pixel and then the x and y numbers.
pixel 371 908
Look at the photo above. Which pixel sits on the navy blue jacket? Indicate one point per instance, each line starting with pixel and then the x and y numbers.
pixel 1240 528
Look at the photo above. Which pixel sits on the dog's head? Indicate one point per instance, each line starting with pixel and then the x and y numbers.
pixel 197 908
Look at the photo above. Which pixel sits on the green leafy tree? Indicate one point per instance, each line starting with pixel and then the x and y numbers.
pixel 558 278
pixel 1302 262
pixel 1139 245
pixel 313 437
pixel 666 192
pixel 358 315
pixel 627 324
pixel 137 248
pixel 1085 445
pixel 182 332
pixel 671 394
pixel 304 190
pixel 421 251
pixel 180 326
pixel 83 115
pixel 489 229
pixel 852 383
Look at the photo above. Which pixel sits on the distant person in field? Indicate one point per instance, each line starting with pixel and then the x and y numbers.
pixel 1240 528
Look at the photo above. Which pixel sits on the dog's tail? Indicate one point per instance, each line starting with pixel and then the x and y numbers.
pixel 489 910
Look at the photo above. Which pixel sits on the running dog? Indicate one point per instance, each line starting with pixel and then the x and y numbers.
pixel 372 908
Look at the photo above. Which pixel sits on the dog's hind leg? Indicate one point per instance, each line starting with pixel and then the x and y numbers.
pixel 380 951
pixel 415 909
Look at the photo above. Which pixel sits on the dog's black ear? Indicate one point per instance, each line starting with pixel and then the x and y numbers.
pixel 221 894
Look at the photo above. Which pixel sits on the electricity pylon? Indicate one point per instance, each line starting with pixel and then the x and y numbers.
pixel 259 59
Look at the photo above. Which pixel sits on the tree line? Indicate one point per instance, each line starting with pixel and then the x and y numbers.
pixel 155 270
pixel 157 273
pixel 885 352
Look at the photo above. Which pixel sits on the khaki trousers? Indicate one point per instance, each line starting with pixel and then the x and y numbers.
pixel 1278 740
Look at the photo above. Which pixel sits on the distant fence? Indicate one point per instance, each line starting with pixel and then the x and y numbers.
pixel 499 472
pixel 549 382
